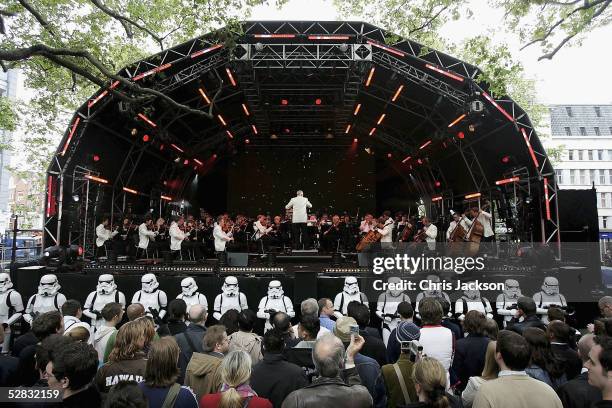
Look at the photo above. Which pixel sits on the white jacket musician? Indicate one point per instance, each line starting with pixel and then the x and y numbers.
pixel 509 298
pixel 275 301
pixel 11 306
pixel 191 296
pixel 103 234
pixel 349 294
pixel 386 306
pixel 431 232
pixel 106 292
pixel 386 231
pixel 471 300
pixel 300 205
pixel 144 236
pixel 486 219
pixel 260 229
pixel 176 236
pixel 548 296
pixel 221 237
pixel 229 298
pixel 150 296
pixel 457 220
pixel 47 299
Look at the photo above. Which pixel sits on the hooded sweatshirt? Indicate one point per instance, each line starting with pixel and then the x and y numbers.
pixel 124 370
pixel 101 338
pixel 203 374
pixel 249 342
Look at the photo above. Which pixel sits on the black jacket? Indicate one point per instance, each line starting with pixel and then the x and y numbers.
pixel 196 333
pixel 89 397
pixel 570 359
pixel 530 321
pixel 28 339
pixel 274 378
pixel 454 327
pixel 578 393
pixel 176 326
pixel 374 347
pixel 469 357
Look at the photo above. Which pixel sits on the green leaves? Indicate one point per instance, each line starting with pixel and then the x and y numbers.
pixel 8 117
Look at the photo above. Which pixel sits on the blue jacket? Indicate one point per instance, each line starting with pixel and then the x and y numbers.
pixel 196 334
pixel 372 379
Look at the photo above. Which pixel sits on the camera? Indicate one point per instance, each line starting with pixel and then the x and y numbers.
pixel 414 348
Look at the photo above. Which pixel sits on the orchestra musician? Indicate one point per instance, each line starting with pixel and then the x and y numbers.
pixel 262 231
pixel 486 219
pixel 220 236
pixel 146 236
pixel 299 204
pixel 458 219
pixel 177 236
pixel 367 224
pixel 330 238
pixel 348 233
pixel 387 229
pixel 104 235
pixel 431 232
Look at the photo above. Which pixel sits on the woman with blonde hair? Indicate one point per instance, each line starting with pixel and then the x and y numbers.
pixel 429 378
pixel 160 386
pixel 489 372
pixel 235 391
pixel 126 360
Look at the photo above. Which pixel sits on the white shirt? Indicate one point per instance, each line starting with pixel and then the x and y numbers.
pixel 386 231
pixel 430 236
pixel 260 230
pixel 485 219
pixel 221 238
pixel 299 205
pixel 103 235
pixel 453 225
pixel 176 237
pixel 365 226
pixel 144 235
pixel 437 342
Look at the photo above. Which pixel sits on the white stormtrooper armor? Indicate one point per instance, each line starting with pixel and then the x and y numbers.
pixel 274 301
pixel 151 297
pixel 349 294
pixel 47 299
pixel 431 293
pixel 190 294
pixel 106 292
pixel 471 300
pixel 509 298
pixel 11 307
pixel 548 296
pixel 386 307
pixel 229 298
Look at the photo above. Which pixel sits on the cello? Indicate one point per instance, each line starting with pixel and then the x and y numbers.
pixel 457 236
pixel 371 237
pixel 474 236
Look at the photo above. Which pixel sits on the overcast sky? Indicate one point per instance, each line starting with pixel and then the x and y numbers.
pixel 576 75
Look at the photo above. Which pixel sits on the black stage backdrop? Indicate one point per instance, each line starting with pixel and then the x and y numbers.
pixel 263 181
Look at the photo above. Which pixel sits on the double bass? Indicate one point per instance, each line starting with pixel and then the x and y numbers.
pixel 456 238
pixel 474 236
pixel 371 237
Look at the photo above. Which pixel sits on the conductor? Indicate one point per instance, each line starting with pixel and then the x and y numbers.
pixel 299 203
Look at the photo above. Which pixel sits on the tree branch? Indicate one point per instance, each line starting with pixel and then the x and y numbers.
pixel 55 55
pixel 126 20
pixel 429 21
pixel 41 20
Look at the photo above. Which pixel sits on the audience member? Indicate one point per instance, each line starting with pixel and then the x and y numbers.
pixel 160 386
pixel 398 376
pixel 430 378
pixel 148 329
pixel 470 351
pixel 112 313
pixel 274 378
pixel 437 341
pixel 489 372
pixel 282 322
pixel 374 346
pixel 301 353
pixel 43 355
pixel 135 311
pixel 605 309
pixel 330 389
pixel 491 329
pixel 72 312
pixel 125 394
pixel 406 330
pixel 190 341
pixel 202 373
pixel 177 313
pixel 559 334
pixel 540 359
pixel 326 311
pixel 449 322
pixel 244 338
pixel 230 321
pixel 127 360
pixel 9 367
pixel 599 365
pixel 235 391
pixel 526 309
pixel 43 325
pixel 578 392
pixel 79 333
pixel 514 388
pixel 71 370
pixel 309 307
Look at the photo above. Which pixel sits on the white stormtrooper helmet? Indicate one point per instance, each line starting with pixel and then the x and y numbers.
pixel 149 283
pixel 512 289
pixel 395 282
pixel 5 282
pixel 351 286
pixel 106 284
pixel 275 289
pixel 49 285
pixel 472 294
pixel 230 286
pixel 189 287
pixel 550 286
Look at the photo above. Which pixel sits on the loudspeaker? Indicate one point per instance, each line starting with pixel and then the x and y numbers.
pixel 237 258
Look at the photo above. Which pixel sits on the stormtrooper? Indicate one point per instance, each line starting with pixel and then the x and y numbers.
pixel 549 296
pixel 506 301
pixel 386 307
pixel 471 300
pixel 153 299
pixel 349 294
pixel 190 294
pixel 47 299
pixel 229 298
pixel 11 307
pixel 274 302
pixel 433 291
pixel 106 292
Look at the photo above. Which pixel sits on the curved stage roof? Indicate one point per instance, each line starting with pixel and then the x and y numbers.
pixel 282 85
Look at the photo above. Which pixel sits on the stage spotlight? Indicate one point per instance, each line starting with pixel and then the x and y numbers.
pixel 472 127
pixel 134 131
pixel 259 46
pixel 53 256
pixel 355 140
pixel 73 252
pixel 96 158
pixel 437 183
pixel 318 101
pixel 284 102
pixel 75 198
pixel 505 159
pixel 145 138
pixel 343 48
pixel 461 135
